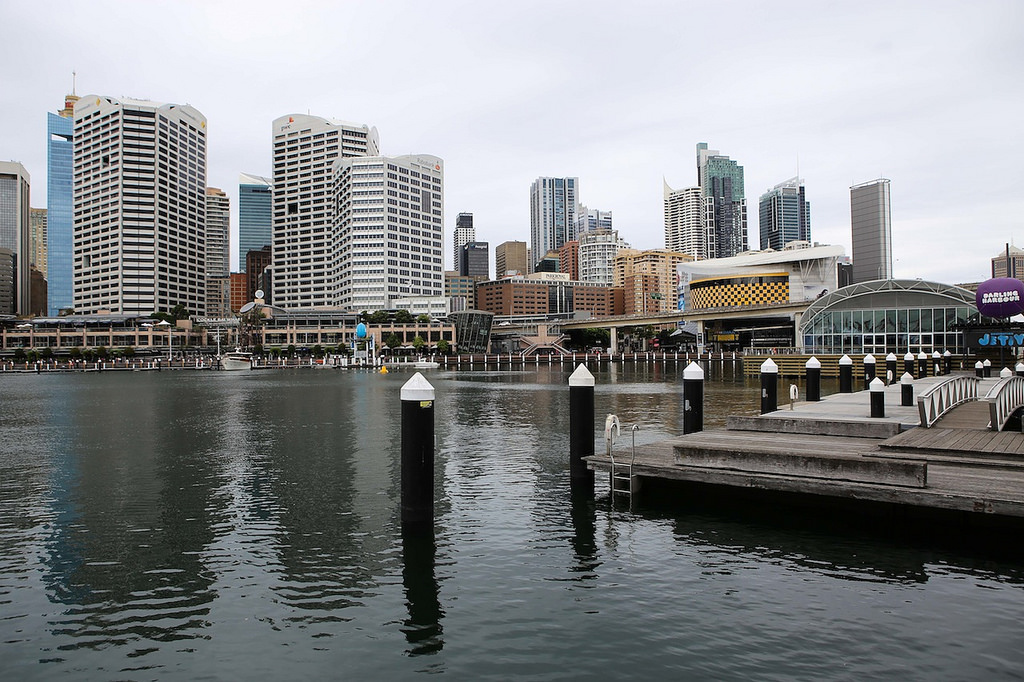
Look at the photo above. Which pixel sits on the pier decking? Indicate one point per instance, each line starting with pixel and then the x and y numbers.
pixel 833 448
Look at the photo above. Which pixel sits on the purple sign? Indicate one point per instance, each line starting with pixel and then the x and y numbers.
pixel 1000 297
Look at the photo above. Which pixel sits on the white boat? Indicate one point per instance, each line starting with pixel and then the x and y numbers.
pixel 426 364
pixel 237 359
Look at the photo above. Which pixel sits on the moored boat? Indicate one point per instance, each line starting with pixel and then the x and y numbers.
pixel 237 359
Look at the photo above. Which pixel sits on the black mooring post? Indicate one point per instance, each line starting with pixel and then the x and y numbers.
pixel 769 386
pixel 877 391
pixel 907 390
pixel 937 363
pixel 987 367
pixel 947 362
pixel 693 398
pixel 890 367
pixel 581 430
pixel 813 369
pixel 922 364
pixel 1019 369
pixel 846 374
pixel 979 369
pixel 417 454
pixel 869 369
pixel 908 363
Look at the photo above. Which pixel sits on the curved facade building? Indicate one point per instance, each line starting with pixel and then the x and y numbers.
pixel 888 316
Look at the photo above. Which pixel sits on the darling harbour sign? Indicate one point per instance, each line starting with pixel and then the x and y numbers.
pixel 1000 298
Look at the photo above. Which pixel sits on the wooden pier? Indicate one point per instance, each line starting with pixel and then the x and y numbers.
pixel 834 449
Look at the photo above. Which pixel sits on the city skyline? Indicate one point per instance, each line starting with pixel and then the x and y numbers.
pixel 875 99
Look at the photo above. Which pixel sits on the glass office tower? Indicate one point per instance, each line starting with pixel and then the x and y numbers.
pixel 59 207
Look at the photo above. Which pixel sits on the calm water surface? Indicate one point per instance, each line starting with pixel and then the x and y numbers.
pixel 181 526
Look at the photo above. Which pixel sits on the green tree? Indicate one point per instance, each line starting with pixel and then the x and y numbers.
pixel 128 351
pixel 290 351
pixel 392 341
pixel 403 317
pixel 75 353
pixel 318 351
pixel 423 319
pixel 443 347
pixel 257 350
pixel 418 343
pixel 379 317
pixel 32 355
pixel 19 354
pixel 101 352
pixel 46 353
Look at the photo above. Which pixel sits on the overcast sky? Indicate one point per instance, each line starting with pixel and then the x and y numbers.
pixel 927 94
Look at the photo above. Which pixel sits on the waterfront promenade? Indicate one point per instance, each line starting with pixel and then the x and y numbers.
pixel 834 449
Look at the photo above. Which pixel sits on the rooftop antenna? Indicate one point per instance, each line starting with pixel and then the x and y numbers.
pixel 74 82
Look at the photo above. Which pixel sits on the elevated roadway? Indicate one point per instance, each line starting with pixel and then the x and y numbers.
pixel 753 313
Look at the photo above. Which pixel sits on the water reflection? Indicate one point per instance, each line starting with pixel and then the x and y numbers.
pixel 422 628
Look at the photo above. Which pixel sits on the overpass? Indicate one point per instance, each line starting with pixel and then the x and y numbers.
pixel 792 312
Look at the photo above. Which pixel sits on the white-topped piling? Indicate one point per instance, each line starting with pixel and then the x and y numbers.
pixel 693 398
pixel 813 369
pixel 769 386
pixel 417 453
pixel 581 429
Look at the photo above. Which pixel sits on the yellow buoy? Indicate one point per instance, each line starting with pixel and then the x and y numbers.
pixel 384 370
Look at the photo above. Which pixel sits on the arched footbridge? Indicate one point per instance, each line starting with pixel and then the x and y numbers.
pixel 971 402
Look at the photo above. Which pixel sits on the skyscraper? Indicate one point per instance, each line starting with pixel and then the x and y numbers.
pixel 393 232
pixel 688 221
pixel 37 239
pixel 218 253
pixel 475 260
pixel 589 219
pixel 871 217
pixel 511 257
pixel 785 215
pixel 464 234
pixel 552 214
pixel 721 180
pixel 60 207
pixel 140 206
pixel 14 230
pixel 218 233
pixel 307 246
pixel 255 227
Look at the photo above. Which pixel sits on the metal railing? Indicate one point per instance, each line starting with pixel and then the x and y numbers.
pixel 1003 399
pixel 936 401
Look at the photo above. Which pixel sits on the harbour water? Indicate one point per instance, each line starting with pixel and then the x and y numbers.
pixel 244 525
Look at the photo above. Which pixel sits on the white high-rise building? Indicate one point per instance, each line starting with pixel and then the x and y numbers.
pixel 139 194
pixel 598 249
pixel 15 235
pixel 390 225
pixel 464 234
pixel 306 250
pixel 552 214
pixel 687 225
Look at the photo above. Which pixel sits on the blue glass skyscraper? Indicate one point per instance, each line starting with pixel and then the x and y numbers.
pixel 255 229
pixel 785 215
pixel 59 207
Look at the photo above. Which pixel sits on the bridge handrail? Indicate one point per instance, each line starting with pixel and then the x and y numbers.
pixel 939 399
pixel 1003 399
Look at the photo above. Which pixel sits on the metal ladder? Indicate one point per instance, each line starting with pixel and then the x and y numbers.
pixel 620 480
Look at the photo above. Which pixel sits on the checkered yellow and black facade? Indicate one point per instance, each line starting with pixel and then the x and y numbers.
pixel 732 291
